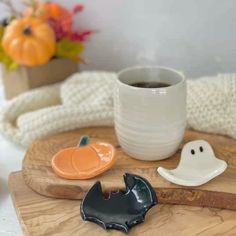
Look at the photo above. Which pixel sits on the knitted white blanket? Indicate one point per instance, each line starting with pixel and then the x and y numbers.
pixel 85 100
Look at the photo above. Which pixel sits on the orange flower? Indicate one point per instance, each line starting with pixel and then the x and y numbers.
pixel 48 10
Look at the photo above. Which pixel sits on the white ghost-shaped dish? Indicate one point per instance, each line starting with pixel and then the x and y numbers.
pixel 197 165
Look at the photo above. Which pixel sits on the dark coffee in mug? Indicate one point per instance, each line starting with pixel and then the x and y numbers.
pixel 150 84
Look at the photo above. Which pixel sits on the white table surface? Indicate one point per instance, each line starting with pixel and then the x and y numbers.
pixel 10 160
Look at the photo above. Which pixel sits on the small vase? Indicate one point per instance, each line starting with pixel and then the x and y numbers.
pixel 26 78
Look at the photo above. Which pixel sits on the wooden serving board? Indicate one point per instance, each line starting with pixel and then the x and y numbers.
pixel 219 192
pixel 42 216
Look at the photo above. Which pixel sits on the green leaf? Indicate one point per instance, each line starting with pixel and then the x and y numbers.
pixel 6 60
pixel 1 31
pixel 69 49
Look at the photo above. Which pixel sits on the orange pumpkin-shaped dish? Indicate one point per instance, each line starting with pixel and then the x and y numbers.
pixel 29 41
pixel 85 161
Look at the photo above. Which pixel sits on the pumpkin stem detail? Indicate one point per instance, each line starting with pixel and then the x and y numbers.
pixel 84 140
pixel 27 30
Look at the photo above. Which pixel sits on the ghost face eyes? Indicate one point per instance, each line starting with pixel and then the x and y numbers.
pixel 200 149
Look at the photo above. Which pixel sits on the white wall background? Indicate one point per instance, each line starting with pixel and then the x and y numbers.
pixel 196 36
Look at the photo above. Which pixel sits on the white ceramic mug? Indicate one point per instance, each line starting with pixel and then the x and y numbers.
pixel 150 122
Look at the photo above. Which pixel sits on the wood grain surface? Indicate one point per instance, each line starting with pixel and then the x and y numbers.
pixel 219 192
pixel 42 216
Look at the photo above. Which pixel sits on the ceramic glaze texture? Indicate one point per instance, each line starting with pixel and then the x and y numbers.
pixel 85 161
pixel 121 210
pixel 150 122
pixel 197 166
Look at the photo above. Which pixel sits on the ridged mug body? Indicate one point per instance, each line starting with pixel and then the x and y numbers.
pixel 150 122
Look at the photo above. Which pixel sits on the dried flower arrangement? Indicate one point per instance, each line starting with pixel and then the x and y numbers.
pixel 41 32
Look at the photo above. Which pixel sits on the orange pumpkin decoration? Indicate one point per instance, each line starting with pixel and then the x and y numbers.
pixel 84 162
pixel 29 41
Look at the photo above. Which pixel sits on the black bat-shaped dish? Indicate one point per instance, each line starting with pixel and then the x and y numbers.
pixel 121 210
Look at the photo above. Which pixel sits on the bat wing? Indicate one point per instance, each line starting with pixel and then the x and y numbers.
pixel 96 209
pixel 141 189
pixel 89 203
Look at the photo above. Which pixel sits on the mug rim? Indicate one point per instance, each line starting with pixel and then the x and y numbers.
pixel 181 75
